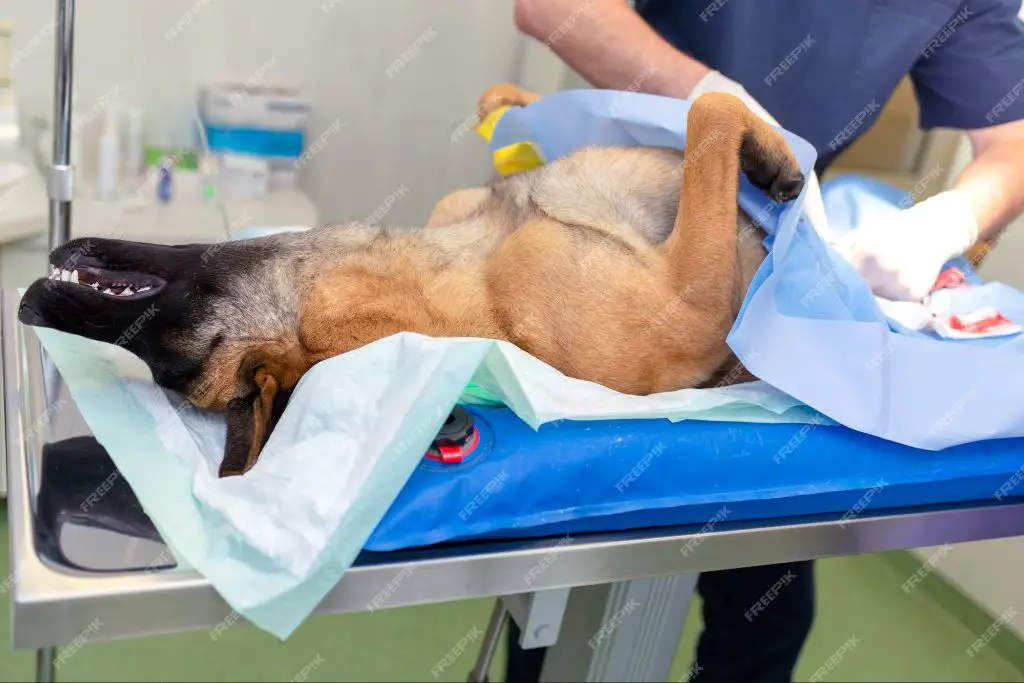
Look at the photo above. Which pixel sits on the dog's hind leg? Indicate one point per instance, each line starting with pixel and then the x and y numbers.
pixel 723 138
pixel 457 206
pixel 502 95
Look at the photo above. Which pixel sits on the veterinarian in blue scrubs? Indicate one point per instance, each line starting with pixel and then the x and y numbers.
pixel 823 70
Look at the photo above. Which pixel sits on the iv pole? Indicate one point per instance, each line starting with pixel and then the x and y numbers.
pixel 61 181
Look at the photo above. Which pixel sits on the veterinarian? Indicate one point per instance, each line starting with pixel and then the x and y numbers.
pixel 822 70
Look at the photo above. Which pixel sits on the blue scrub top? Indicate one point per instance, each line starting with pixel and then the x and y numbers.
pixel 825 68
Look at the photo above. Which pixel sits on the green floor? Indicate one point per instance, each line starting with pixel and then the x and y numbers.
pixel 900 638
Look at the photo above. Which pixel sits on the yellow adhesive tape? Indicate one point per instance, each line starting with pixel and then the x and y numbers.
pixel 514 158
pixel 522 156
pixel 486 127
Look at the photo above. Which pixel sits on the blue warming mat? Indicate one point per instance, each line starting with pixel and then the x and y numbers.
pixel 575 477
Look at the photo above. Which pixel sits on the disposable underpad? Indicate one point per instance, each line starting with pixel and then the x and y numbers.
pixel 274 541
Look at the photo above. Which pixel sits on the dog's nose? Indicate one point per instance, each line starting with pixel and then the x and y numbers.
pixel 29 315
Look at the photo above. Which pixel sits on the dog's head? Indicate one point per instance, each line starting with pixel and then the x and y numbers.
pixel 216 322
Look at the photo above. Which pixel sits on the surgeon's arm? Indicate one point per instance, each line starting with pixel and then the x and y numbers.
pixel 900 256
pixel 607 43
pixel 993 182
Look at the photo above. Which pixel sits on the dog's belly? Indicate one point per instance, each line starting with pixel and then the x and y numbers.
pixel 579 281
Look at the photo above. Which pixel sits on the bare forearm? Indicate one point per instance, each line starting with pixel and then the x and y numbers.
pixel 608 44
pixel 994 180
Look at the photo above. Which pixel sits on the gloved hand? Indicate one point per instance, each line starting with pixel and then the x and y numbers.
pixel 814 207
pixel 901 256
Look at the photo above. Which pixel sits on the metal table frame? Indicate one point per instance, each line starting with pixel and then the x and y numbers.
pixel 655 569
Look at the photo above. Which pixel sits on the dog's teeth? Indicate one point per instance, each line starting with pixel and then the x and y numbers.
pixel 74 276
pixel 128 291
pixel 108 290
pixel 55 274
pixel 145 289
pixel 95 285
pixel 65 275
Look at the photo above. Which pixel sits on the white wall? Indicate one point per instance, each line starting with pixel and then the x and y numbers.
pixel 394 131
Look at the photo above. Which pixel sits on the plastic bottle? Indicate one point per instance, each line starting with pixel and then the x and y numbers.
pixel 208 170
pixel 133 148
pixel 109 156
pixel 164 182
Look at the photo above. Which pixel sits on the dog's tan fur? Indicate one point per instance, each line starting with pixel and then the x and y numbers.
pixel 622 266
pixel 561 272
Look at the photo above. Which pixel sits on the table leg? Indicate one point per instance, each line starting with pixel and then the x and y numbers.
pixel 626 631
pixel 45 659
pixel 481 671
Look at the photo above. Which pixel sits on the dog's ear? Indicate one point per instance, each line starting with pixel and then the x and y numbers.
pixel 266 377
pixel 249 425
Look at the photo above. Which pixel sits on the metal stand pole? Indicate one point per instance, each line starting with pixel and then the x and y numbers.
pixel 61 181
pixel 481 671
pixel 45 659
pixel 626 631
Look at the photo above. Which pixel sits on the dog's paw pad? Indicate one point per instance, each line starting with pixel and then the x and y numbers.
pixel 766 160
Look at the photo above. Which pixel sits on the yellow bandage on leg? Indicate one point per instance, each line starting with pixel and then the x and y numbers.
pixel 514 158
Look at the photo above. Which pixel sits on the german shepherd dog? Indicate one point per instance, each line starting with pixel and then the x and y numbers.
pixel 621 266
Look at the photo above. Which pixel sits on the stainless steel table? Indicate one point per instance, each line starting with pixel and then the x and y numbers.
pixel 654 570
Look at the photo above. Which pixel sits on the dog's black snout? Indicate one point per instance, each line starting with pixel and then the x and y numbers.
pixel 29 315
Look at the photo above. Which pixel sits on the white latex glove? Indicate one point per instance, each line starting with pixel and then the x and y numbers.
pixel 814 207
pixel 901 256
